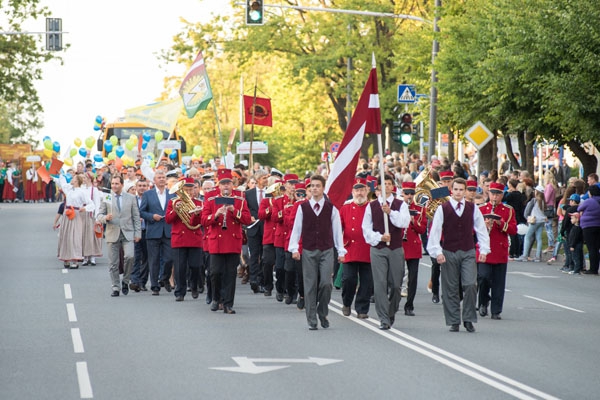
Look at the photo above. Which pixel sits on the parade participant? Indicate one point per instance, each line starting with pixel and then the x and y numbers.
pixel 92 244
pixel 357 264
pixel 279 205
pixel 411 243
pixel 31 187
pixel 77 203
pixel 294 285
pixel 139 275
pixel 183 214
pixel 10 185
pixel 387 254
pixel 255 230
pixel 158 232
pixel 501 222
pixel 122 218
pixel 318 225
pixel 208 186
pixel 130 177
pixel 471 190
pixel 456 220
pixel 223 216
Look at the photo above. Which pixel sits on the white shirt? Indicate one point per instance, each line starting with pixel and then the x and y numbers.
pixel 76 197
pixel 336 223
pixel 434 247
pixel 162 197
pixel 398 218
pixel 260 194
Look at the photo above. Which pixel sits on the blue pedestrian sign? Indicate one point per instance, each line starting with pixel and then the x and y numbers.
pixel 407 94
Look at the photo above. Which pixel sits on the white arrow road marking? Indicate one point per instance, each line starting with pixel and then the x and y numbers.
pixel 247 365
pixel 532 275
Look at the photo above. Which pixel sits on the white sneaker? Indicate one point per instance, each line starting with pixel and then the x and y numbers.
pixel 404 293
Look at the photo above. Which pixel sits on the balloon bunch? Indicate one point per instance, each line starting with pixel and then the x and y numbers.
pixel 82 148
pixel 99 123
pixel 50 147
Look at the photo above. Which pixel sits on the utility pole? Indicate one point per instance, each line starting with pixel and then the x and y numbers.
pixel 433 101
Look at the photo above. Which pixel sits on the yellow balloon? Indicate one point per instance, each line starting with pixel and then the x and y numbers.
pixel 112 155
pixel 133 138
pixel 68 161
pixel 167 151
pixel 48 153
pixel 77 142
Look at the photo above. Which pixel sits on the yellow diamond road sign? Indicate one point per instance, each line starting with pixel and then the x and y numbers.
pixel 479 135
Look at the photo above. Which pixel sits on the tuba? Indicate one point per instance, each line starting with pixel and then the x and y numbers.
pixel 424 186
pixel 275 189
pixel 183 205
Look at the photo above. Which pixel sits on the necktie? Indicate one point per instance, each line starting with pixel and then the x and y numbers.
pixel 260 195
pixel 316 207
pixel 458 206
pixel 119 202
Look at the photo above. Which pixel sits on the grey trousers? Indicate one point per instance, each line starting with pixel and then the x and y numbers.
pixel 459 267
pixel 317 272
pixel 387 267
pixel 113 259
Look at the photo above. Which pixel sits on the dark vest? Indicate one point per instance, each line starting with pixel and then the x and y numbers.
pixel 317 231
pixel 396 234
pixel 458 231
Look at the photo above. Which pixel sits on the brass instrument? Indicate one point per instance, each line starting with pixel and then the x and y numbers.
pixel 424 186
pixel 274 189
pixel 183 205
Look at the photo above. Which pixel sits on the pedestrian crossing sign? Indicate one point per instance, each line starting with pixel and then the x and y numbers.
pixel 407 94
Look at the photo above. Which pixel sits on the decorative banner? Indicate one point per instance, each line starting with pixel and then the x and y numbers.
pixel 262 111
pixel 162 115
pixel 55 166
pixel 44 174
pixel 195 89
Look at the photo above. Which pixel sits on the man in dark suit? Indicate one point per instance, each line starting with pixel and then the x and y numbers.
pixel 158 232
pixel 254 231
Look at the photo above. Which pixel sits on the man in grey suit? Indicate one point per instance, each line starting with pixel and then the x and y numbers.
pixel 123 228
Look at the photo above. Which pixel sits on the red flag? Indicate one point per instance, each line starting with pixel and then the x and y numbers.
pixel 263 115
pixel 366 119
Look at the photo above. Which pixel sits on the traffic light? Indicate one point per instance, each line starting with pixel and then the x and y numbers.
pixel 255 12
pixel 53 34
pixel 406 129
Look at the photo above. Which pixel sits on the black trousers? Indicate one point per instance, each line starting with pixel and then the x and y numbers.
pixel 291 267
pixel 139 276
pixel 223 271
pixel 435 276
pixel 591 237
pixel 413 277
pixel 268 262
pixel 491 277
pixel 255 247
pixel 184 257
pixel 280 269
pixel 351 273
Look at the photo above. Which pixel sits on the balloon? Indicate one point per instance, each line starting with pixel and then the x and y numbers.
pixel 158 136
pixel 114 140
pixel 146 136
pixel 56 147
pixel 173 155
pixel 68 177
pixel 152 164
pixel 89 142
pixel 144 145
pixel 129 145
pixel 197 150
pixel 98 158
pixel 96 127
pixel 68 161
pixel 108 146
pixel 118 164
pixel 134 138
pixel 120 151
pixel 46 138
pixel 82 152
pixel 99 119
pixel 48 144
pixel 77 142
pixel 112 155
pixel 168 151
pixel 72 152
pixel 48 153
pixel 150 156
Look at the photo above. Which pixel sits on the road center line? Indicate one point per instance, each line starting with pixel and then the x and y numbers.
pixel 68 294
pixel 429 350
pixel 77 342
pixel 71 312
pixel 85 387
pixel 554 304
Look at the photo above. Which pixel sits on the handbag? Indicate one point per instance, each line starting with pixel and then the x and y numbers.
pixel 531 219
pixel 549 212
pixel 98 230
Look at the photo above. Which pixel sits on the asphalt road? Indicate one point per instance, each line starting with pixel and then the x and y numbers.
pixel 64 337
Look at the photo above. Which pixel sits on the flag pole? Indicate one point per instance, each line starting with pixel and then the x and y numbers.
pixel 251 156
pixel 219 129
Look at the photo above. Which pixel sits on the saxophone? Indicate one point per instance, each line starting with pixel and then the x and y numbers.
pixel 183 205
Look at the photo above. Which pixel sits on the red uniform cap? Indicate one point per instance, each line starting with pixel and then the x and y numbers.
pixel 307 182
pixel 187 181
pixel 471 184
pixel 409 187
pixel 224 175
pixel 496 187
pixel 446 175
pixel 300 186
pixel 359 183
pixel 290 177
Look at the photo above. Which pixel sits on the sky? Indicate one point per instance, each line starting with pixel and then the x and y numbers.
pixel 112 63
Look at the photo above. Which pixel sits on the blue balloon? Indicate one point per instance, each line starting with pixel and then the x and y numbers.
pixel 146 136
pixel 108 146
pixel 120 151
pixel 173 155
pixel 96 127
pixel 56 147
pixel 46 138
pixel 99 119
pixel 144 145
pixel 98 158
pixel 68 177
pixel 82 152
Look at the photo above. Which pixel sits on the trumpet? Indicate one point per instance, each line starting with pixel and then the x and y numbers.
pixel 224 225
pixel 424 186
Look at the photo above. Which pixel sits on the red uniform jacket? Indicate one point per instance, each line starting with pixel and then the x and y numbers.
pixel 500 232
pixel 225 241
pixel 289 218
pixel 181 235
pixel 352 215
pixel 279 204
pixel 413 247
pixel 265 213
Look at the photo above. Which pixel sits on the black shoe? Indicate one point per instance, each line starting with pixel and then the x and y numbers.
pixel 384 327
pixel 469 326
pixel 409 312
pixel 454 328
pixel 228 310
pixel 589 272
pixel 324 322
pixel 435 299
pixel 312 328
pixel 124 288
pixel 194 294
pixel 155 293
pixel 268 293
pixel 496 316
pixel 279 297
pixel 168 287
pixel 135 287
pixel 201 290
pixel 208 299
pixel 483 311
pixel 300 303
pixel 254 287
pixel 115 293
pixel 179 298
pixel 214 306
pixel 85 263
pixel 289 299
pixel 346 311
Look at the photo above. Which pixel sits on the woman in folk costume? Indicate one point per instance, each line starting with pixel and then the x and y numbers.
pixel 31 185
pixel 92 245
pixel 9 194
pixel 77 205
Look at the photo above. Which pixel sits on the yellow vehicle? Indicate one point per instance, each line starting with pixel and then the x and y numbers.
pixel 123 130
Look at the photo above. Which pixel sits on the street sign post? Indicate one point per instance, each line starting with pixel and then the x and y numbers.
pixel 407 94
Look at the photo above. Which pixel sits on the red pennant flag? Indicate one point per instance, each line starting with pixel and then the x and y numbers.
pixel 263 115
pixel 366 119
